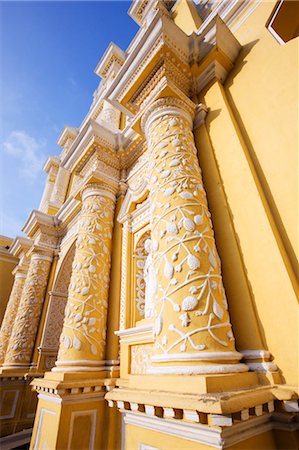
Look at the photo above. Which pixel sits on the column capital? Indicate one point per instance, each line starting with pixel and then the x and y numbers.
pixel 167 105
pixel 97 189
pixel 20 271
pixel 41 252
pixel 98 183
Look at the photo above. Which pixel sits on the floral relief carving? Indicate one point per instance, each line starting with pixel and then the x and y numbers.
pixel 64 276
pixel 26 323
pixel 124 265
pixel 57 303
pixel 84 329
pixel 140 258
pixel 50 362
pixel 190 304
pixel 10 314
pixel 141 358
pixel 54 322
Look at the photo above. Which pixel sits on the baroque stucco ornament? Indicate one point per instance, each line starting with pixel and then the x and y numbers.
pixel 190 306
pixel 24 331
pixel 82 342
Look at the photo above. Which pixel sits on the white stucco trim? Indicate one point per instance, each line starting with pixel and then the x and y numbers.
pixel 203 356
pixel 192 432
pixel 216 368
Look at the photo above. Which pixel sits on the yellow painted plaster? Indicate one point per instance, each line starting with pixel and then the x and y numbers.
pixel 274 296
pixel 265 106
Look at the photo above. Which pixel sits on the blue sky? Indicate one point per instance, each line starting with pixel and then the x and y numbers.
pixel 48 53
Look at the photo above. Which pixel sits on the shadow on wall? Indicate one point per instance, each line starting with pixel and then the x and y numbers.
pixel 234 272
pixel 292 263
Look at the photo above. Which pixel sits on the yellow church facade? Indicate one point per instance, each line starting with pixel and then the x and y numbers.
pixel 154 302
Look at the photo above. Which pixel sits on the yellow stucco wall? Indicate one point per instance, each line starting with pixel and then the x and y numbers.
pixel 252 129
pixel 7 263
pixel 263 94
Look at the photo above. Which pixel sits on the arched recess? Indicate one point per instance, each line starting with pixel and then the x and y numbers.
pixel 55 312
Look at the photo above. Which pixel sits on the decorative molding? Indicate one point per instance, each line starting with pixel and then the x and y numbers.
pixel 68 134
pixel 131 197
pixel 69 209
pixel 256 354
pixel 194 432
pixel 52 162
pixel 20 245
pixel 134 330
pixel 112 60
pixel 92 134
pixel 234 12
pixel 189 370
pixel 203 356
pixel 43 411
pixel 232 432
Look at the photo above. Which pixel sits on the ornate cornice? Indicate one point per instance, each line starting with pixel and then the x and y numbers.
pixel 98 178
pixel 111 61
pixel 52 162
pixel 93 135
pixel 42 229
pixel 143 11
pixel 19 246
pixel 68 134
pixel 168 63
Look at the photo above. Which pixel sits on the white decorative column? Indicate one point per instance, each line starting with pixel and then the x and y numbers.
pixel 83 338
pixel 19 248
pixel 191 323
pixel 21 342
pixel 11 312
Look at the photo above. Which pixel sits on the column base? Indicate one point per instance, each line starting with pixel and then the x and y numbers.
pixel 192 384
pixel 72 412
pixel 249 416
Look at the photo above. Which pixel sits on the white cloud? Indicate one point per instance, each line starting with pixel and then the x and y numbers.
pixel 28 151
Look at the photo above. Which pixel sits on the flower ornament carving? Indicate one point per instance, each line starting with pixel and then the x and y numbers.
pixel 141 358
pixel 140 259
pixel 26 323
pixel 84 330
pixel 10 313
pixel 57 303
pixel 190 305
